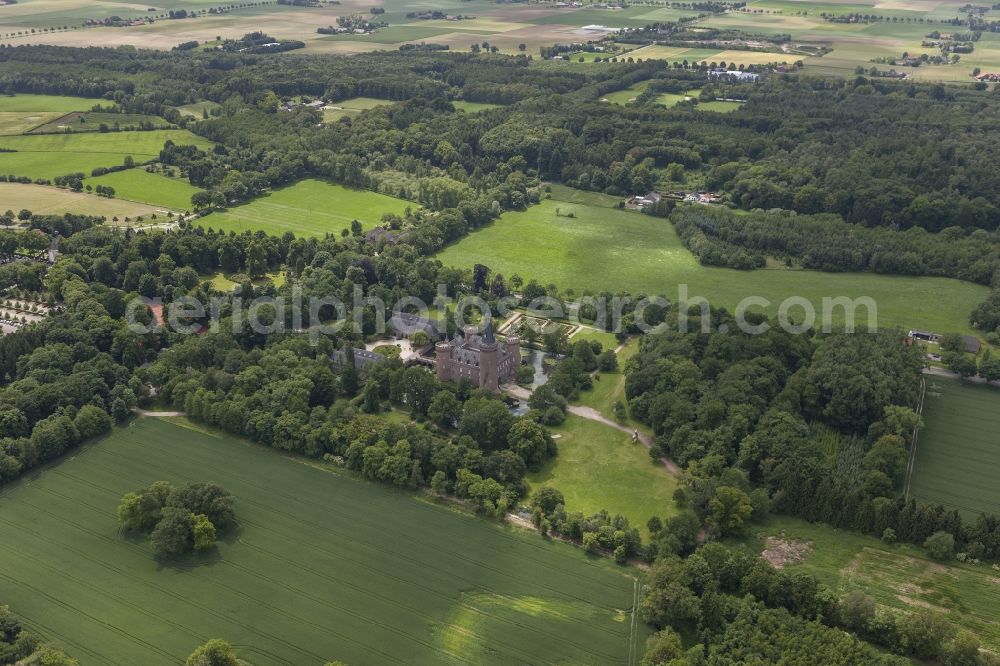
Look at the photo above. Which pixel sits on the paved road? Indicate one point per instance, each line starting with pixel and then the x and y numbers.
pixel 943 372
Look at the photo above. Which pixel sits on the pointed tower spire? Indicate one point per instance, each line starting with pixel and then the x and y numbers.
pixel 488 336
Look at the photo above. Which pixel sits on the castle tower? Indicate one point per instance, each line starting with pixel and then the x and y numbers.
pixel 514 349
pixel 442 361
pixel 489 360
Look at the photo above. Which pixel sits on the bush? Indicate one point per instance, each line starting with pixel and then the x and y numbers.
pixel 940 546
pixel 553 416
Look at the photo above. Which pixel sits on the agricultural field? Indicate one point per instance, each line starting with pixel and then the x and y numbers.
pixel 599 467
pixel 505 27
pixel 152 188
pixel 856 44
pixel 508 26
pixel 307 208
pixel 22 113
pixel 92 121
pixel 630 17
pixel 51 155
pixel 322 567
pixel 45 200
pixel 958 456
pixel 694 55
pixel 24 102
pixel 604 249
pixel 898 577
pixel 351 107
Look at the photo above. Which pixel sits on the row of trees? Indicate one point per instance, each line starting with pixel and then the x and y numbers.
pixel 720 237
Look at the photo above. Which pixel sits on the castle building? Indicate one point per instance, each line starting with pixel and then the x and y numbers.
pixel 478 358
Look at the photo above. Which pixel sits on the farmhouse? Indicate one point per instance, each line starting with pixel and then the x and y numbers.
pixel 735 75
pixel 638 202
pixel 925 336
pixel 478 358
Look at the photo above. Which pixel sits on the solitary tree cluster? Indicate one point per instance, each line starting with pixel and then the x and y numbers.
pixel 178 520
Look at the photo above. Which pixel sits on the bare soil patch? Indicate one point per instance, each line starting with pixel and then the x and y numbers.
pixel 782 552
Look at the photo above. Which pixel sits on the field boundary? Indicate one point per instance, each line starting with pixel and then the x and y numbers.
pixel 912 462
pixel 633 633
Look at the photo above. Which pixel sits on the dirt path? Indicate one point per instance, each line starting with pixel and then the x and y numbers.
pixel 143 412
pixel 593 415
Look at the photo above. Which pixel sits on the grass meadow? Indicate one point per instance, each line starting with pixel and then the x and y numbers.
pixel 198 109
pixel 351 107
pixel 152 188
pixel 321 567
pixel 898 577
pixel 958 452
pixel 307 208
pixel 473 107
pixel 51 155
pixel 47 200
pixel 601 249
pixel 598 467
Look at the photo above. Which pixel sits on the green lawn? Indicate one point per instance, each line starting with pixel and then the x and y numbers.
pixel 351 107
pixel 958 454
pixel 719 106
pixel 606 249
pixel 899 577
pixel 473 107
pixel 197 109
pixel 308 208
pixel 154 188
pixel 51 155
pixel 626 95
pixel 607 340
pixel 598 467
pixel 222 282
pixel 321 567
pixel 609 388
